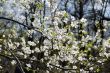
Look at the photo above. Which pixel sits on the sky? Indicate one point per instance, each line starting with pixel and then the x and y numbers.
pixel 70 7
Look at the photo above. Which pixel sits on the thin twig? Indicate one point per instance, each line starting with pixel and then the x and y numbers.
pixel 18 61
pixel 24 60
pixel 32 27
pixel 66 69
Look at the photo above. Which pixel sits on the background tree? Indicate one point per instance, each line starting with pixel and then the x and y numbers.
pixel 54 36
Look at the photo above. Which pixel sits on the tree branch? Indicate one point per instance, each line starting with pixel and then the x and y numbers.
pixel 24 60
pixel 30 27
pixel 106 18
pixel 18 61
pixel 65 69
pixel 4 18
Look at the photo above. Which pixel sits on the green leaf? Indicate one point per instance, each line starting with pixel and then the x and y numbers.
pixel 98 70
pixel 39 5
pixel 65 15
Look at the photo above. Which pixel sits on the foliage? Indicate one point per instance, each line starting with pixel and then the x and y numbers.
pixel 33 42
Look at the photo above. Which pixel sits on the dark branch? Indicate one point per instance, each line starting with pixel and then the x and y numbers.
pixel 65 69
pixel 106 18
pixel 4 18
pixel 18 61
pixel 30 27
pixel 24 60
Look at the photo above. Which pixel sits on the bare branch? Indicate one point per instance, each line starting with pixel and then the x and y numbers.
pixel 24 60
pixel 18 61
pixel 106 18
pixel 30 27
pixel 65 69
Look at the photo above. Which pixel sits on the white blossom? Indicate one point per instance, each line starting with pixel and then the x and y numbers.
pixel 23 41
pixel 31 43
pixel 74 67
pixel 28 65
pixel 13 62
pixel 83 20
pixel 1 67
pixel 26 50
pixel 37 49
pixel 81 58
pixel 20 53
pixel 91 68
